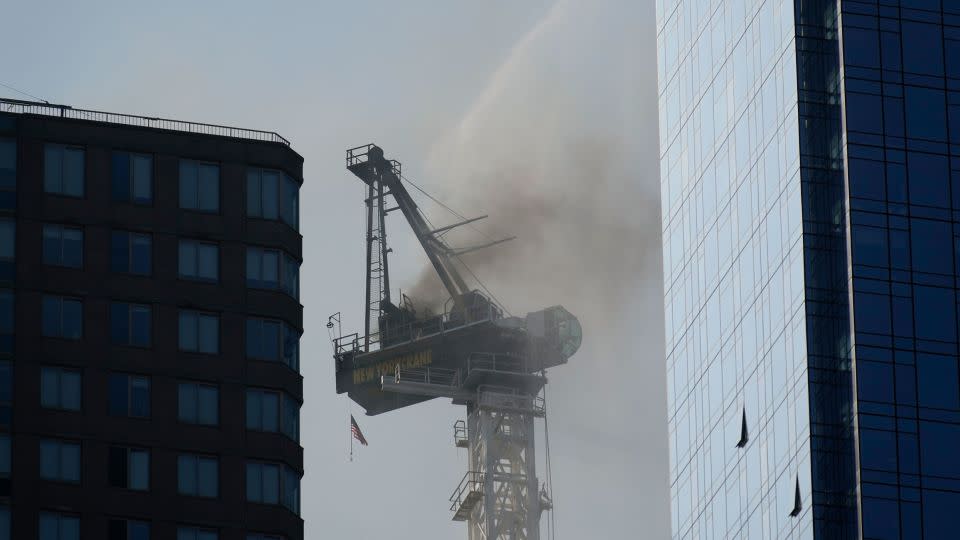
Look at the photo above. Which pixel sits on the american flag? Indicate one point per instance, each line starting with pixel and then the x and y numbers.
pixel 355 430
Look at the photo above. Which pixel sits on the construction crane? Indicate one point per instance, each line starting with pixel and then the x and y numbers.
pixel 472 353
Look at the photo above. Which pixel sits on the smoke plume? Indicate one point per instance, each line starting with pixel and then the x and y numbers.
pixel 560 150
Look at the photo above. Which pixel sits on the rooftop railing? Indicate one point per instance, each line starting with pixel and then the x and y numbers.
pixel 17 106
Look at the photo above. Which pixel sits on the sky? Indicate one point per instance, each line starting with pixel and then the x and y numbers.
pixel 540 113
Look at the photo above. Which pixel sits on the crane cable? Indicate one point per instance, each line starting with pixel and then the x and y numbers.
pixel 445 206
pixel 24 93
pixel 552 524
pixel 458 257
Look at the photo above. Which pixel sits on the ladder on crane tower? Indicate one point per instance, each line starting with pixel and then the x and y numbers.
pixel 499 496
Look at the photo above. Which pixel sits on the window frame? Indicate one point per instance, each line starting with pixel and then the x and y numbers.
pixel 16 158
pixel 63 149
pixel 130 238
pixel 196 246
pixel 9 220
pixel 131 379
pixel 59 372
pixel 128 467
pixel 7 300
pixel 60 299
pixel 131 180
pixel 60 444
pixel 6 392
pixel 198 164
pixel 125 525
pixel 60 518
pixel 284 473
pixel 284 261
pixel 197 459
pixel 284 207
pixel 196 532
pixel 130 308
pixel 61 229
pixel 285 402
pixel 196 387
pixel 197 315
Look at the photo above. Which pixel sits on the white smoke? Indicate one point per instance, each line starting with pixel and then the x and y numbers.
pixel 560 150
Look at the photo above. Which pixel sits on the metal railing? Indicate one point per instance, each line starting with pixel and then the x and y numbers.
pixel 17 106
pixel 472 482
pixel 418 329
pixel 361 154
pixel 438 376
pixel 460 434
pixel 510 363
pixel 521 403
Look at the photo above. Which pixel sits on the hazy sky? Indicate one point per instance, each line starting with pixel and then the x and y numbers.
pixel 540 113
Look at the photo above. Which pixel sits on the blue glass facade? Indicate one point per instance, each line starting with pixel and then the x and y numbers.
pixel 811 233
pixel 901 94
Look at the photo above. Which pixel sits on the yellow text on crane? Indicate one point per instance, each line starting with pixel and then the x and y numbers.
pixel 388 367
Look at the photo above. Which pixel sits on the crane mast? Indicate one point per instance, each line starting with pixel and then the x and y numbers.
pixel 493 365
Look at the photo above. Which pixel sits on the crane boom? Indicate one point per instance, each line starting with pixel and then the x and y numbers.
pixel 384 178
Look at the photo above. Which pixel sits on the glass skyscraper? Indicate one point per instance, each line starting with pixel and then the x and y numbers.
pixel 810 179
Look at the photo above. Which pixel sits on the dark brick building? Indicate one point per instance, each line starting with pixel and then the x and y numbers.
pixel 149 329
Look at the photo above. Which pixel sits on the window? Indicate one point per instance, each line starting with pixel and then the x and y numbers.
pixel 131 253
pixel 272 195
pixel 257 536
pixel 273 341
pixel 199 404
pixel 263 339
pixel 263 483
pixel 270 483
pixel 5 522
pixel 130 324
pixel 271 269
pixel 263 410
pixel 59 388
pixel 926 113
pixel 199 186
pixel 129 395
pixel 272 411
pixel 8 242
pixel 199 260
pixel 8 164
pixel 63 170
pixel 129 468
pixel 63 246
pixel 128 529
pixel 922 48
pixel 5 455
pixel 62 317
pixel 6 393
pixel 132 178
pixel 57 526
pixel 59 460
pixel 6 321
pixel 198 476
pixel 193 533
pixel 199 332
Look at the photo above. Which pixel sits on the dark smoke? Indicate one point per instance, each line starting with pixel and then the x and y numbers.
pixel 577 243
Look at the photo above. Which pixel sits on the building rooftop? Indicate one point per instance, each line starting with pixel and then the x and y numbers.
pixel 17 106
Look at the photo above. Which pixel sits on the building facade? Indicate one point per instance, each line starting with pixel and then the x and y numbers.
pixel 811 228
pixel 149 329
